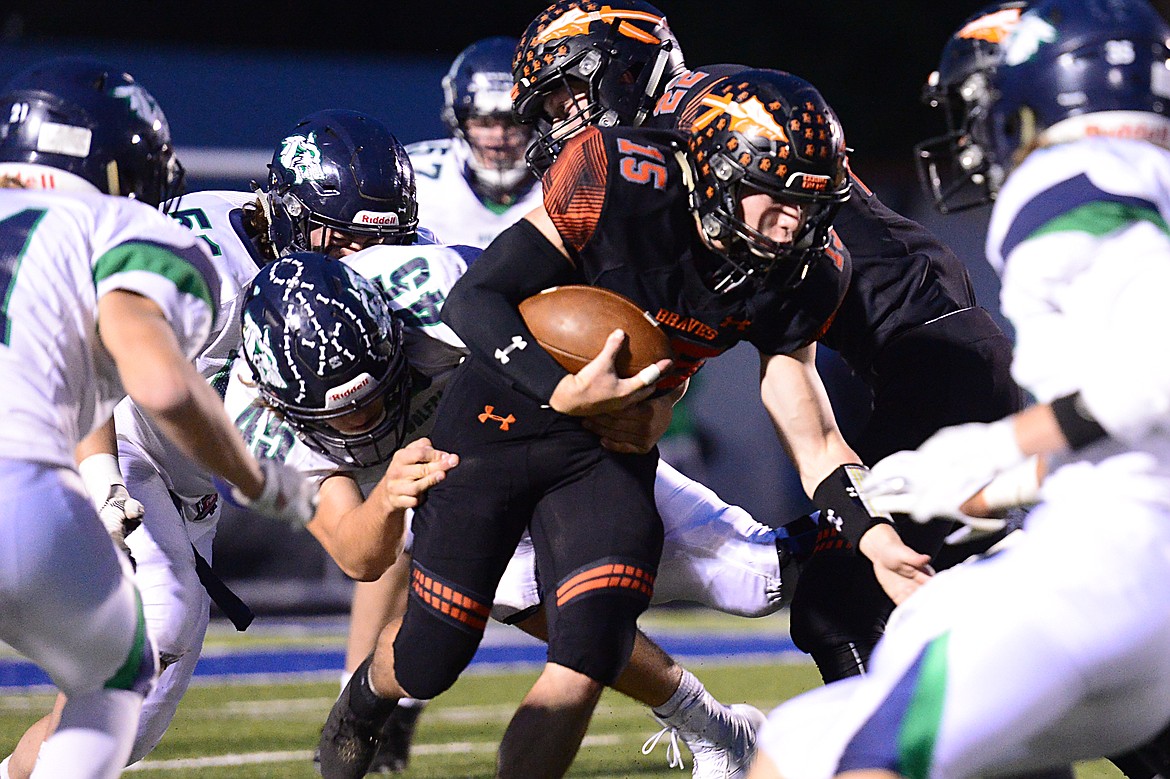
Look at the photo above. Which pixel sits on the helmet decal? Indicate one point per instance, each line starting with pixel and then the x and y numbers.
pixel 142 105
pixel 577 21
pixel 749 117
pixel 299 153
pixel 260 355
pixel 993 27
pixel 1026 38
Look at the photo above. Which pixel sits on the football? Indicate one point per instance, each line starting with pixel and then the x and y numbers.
pixel 572 322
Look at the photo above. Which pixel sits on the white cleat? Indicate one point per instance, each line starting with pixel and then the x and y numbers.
pixel 727 755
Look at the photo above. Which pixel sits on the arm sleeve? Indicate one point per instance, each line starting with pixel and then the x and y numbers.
pixel 482 307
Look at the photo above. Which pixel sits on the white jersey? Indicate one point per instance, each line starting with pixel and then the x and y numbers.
pixel 417 279
pixel 446 203
pixel 59 253
pixel 1079 233
pixel 216 220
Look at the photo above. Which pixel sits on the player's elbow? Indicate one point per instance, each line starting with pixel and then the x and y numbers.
pixel 165 394
pixel 366 569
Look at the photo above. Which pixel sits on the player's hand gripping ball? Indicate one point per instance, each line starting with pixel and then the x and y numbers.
pixel 572 322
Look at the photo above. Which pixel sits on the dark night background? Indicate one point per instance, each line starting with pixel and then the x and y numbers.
pixel 868 58
pixel 233 78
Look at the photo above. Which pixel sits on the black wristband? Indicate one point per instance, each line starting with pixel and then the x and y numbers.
pixel 1076 423
pixel 841 504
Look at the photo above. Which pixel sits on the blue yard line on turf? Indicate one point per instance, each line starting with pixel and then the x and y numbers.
pixel 18 673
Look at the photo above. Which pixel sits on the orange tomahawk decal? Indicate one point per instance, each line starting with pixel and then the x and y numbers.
pixel 576 22
pixel 749 117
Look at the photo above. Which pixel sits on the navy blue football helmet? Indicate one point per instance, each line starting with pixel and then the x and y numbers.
pixel 344 171
pixel 94 121
pixel 773 132
pixel 621 52
pixel 477 109
pixel 954 168
pixel 1069 69
pixel 323 344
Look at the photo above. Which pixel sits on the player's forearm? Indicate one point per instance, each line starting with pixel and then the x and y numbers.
pixel 194 420
pixel 482 307
pixel 799 408
pixel 162 381
pixel 366 540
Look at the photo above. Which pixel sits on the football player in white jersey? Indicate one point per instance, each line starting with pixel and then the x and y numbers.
pixel 314 434
pixel 1039 656
pixel 73 259
pixel 173 548
pixel 474 184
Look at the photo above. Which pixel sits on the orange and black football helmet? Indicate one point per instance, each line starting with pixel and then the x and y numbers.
pixel 620 53
pixel 773 132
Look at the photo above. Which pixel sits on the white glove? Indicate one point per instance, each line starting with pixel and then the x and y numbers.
pixel 287 495
pixel 937 478
pixel 118 511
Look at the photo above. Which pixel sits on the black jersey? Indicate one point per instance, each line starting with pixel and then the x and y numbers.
pixel 902 277
pixel 619 198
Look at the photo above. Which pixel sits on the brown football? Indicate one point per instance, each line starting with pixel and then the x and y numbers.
pixel 572 322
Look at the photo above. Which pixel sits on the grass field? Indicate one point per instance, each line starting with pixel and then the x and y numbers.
pixel 253 730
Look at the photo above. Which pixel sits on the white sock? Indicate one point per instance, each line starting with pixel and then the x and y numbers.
pixel 694 713
pixel 345 677
pixel 99 725
pixel 689 687
pixel 406 703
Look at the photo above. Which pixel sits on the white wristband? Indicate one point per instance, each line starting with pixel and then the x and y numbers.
pixel 99 472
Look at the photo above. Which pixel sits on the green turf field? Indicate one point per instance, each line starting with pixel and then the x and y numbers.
pixel 268 730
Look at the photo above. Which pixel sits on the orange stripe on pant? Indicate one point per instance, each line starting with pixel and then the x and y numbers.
pixel 449 602
pixel 610 575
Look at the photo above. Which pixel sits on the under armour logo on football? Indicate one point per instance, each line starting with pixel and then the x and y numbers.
pixel 517 343
pixel 488 413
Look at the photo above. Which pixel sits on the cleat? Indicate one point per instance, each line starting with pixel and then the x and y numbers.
pixel 393 755
pixel 348 742
pixel 729 757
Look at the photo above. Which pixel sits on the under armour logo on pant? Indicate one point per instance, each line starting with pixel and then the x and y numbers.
pixel 505 422
pixel 517 343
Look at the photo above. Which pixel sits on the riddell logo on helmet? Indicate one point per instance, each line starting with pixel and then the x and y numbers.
pixel 376 218
pixel 339 395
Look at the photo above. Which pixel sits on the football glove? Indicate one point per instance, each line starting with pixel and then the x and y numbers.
pixel 287 495
pixel 935 480
pixel 119 512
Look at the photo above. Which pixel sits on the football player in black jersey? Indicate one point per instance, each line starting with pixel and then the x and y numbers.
pixel 908 326
pixel 749 257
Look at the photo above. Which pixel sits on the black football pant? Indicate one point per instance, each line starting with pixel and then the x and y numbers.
pixel 591 514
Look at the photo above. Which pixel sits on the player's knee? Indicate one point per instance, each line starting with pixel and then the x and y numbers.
pixel 140 669
pixel 440 632
pixel 595 636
